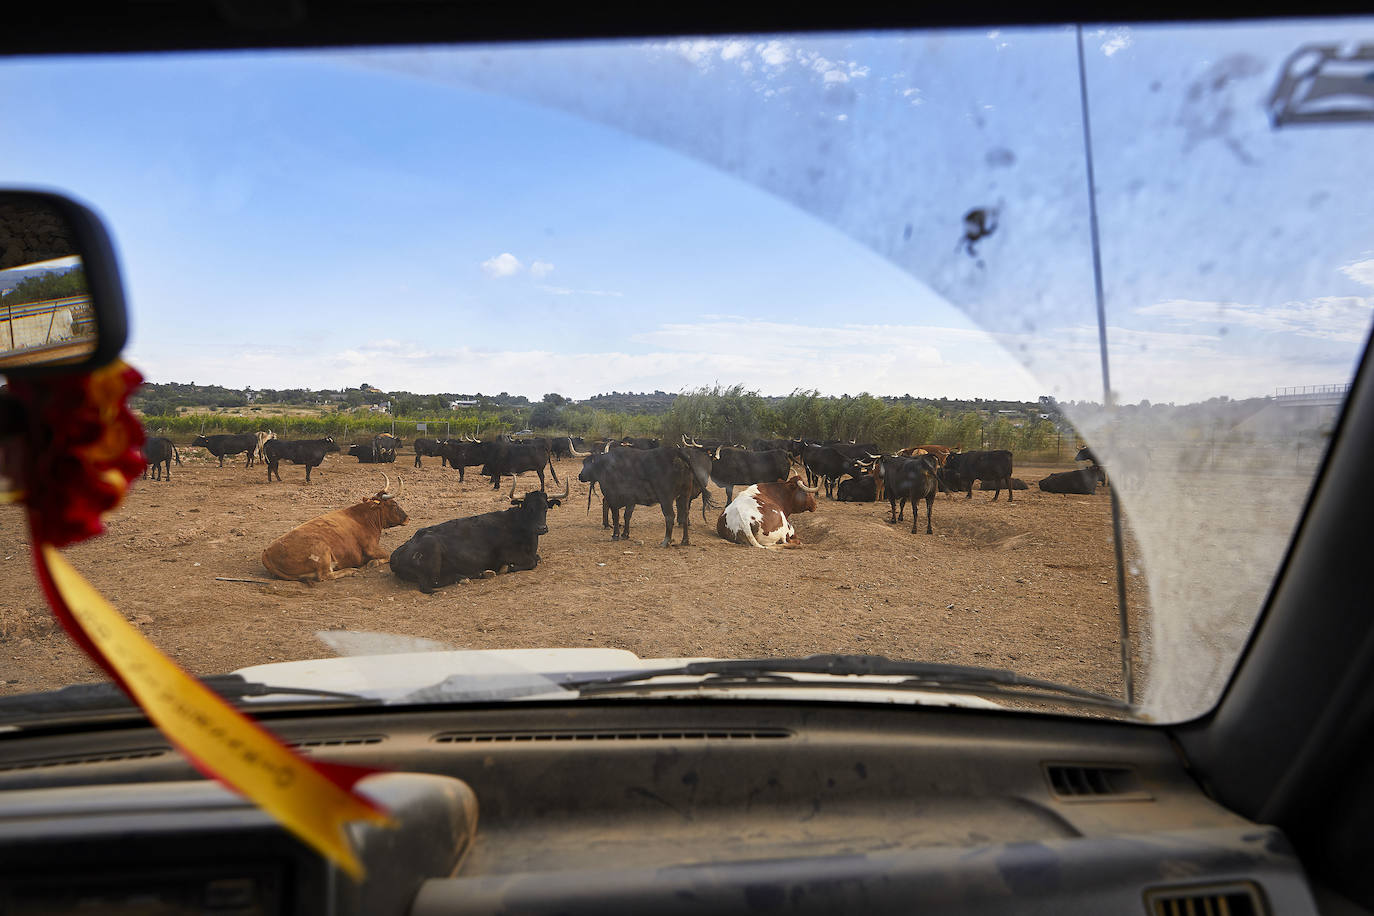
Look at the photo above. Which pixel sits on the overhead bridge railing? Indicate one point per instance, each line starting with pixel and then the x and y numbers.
pixel 1313 395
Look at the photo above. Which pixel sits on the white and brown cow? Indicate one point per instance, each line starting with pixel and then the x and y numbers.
pixel 262 438
pixel 336 543
pixel 758 516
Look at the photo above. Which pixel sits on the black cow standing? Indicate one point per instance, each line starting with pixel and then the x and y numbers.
pixel 733 467
pixel 910 479
pixel 463 454
pixel 221 445
pixel 824 462
pixel 309 452
pixel 665 477
pixel 157 451
pixel 464 548
pixel 384 448
pixel 567 447
pixel 963 468
pixel 507 458
pixel 431 448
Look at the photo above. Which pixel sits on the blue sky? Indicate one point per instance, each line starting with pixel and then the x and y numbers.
pixel 778 212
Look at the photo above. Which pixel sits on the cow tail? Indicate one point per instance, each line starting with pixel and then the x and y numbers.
pixel 176 454
pixel 552 471
pixel 591 488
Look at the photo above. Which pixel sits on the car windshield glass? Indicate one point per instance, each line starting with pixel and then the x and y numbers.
pixel 1056 321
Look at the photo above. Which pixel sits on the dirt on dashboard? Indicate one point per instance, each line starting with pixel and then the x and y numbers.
pixel 1027 585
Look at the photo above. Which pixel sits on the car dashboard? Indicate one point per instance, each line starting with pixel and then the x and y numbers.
pixel 650 806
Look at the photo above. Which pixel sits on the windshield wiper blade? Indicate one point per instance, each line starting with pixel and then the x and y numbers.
pixel 107 697
pixel 773 672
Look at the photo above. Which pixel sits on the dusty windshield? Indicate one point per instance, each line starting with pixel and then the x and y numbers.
pixel 851 288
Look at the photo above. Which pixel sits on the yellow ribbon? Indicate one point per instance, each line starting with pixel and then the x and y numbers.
pixel 220 738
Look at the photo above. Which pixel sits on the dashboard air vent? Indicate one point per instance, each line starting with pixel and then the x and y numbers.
pixel 338 741
pixel 1080 782
pixel 752 734
pixel 142 753
pixel 1242 899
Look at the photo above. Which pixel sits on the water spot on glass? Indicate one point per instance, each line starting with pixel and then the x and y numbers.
pixel 1207 267
pixel 1317 199
pixel 1222 330
pixel 1156 86
pixel 906 233
pixel 1000 157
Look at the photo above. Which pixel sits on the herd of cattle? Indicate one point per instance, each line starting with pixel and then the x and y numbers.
pixel 779 477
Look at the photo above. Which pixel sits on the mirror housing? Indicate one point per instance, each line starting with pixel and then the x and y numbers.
pixel 61 298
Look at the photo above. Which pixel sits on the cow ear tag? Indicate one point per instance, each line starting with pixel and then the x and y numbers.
pixel 70 459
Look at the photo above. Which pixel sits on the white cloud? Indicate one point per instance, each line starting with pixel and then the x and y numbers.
pixel 1360 271
pixel 541 269
pixel 777 357
pixel 1343 319
pixel 733 49
pixel 1116 40
pixel 774 53
pixel 503 265
pixel 568 291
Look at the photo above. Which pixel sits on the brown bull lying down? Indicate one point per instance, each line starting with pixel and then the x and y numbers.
pixel 758 516
pixel 336 543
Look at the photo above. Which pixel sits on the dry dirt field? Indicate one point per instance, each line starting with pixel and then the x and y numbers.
pixel 1025 585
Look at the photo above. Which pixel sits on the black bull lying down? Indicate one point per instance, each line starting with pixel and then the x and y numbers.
pixel 663 477
pixel 464 548
pixel 1083 481
pixel 378 451
pixel 858 490
pixel 309 452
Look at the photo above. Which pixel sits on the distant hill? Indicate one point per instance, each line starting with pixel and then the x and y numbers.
pixel 13 277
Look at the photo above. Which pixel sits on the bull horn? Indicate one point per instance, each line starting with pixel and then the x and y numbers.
pixel 387 487
pixel 567 488
pixel 873 456
pixel 402 481
pixel 716 456
pixel 802 486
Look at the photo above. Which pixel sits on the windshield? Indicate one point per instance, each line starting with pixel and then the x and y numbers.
pixel 664 262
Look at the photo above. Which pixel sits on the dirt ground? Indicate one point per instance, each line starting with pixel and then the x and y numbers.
pixel 1025 585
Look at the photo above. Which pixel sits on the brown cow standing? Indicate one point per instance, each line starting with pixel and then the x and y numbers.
pixel 758 516
pixel 336 543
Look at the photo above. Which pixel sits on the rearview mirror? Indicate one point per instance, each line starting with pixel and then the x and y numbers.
pixel 61 300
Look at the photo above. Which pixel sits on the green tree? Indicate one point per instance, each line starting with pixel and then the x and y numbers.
pixel 545 415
